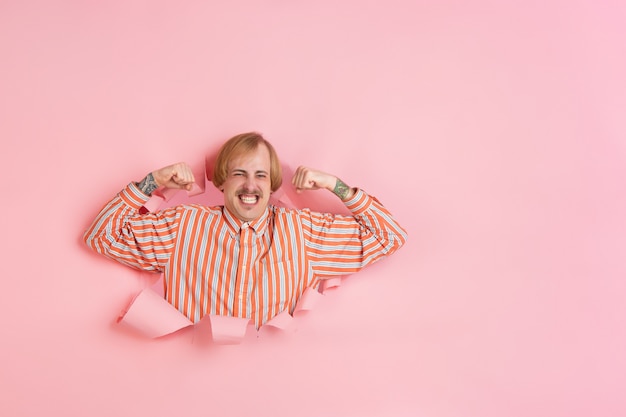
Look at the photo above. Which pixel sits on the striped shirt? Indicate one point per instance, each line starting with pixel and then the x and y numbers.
pixel 214 263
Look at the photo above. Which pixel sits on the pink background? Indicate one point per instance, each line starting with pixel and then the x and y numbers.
pixel 494 131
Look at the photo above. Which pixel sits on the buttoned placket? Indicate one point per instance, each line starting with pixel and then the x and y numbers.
pixel 246 235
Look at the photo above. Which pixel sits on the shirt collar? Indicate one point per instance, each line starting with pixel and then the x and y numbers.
pixel 258 225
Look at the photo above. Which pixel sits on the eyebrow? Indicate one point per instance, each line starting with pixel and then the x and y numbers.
pixel 260 171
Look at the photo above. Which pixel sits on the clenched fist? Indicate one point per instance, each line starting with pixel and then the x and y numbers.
pixel 177 176
pixel 311 179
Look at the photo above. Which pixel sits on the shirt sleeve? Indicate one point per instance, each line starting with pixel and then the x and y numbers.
pixel 142 241
pixel 341 245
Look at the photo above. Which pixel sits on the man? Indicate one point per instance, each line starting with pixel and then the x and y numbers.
pixel 247 258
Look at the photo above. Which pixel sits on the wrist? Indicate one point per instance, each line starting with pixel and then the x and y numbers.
pixel 343 191
pixel 148 185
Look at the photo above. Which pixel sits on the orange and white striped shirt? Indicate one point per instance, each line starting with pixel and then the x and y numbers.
pixel 213 263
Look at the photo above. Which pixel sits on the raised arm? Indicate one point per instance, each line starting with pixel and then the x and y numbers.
pixel 143 241
pixel 339 245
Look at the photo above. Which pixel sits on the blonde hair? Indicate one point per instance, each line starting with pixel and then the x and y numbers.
pixel 240 145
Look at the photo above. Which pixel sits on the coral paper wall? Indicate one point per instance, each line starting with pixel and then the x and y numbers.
pixel 494 131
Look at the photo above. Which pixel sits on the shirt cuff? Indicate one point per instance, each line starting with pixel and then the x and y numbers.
pixel 133 197
pixel 359 202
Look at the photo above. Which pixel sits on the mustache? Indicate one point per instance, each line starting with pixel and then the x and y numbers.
pixel 241 191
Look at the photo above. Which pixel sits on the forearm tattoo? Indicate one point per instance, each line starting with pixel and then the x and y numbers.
pixel 148 185
pixel 341 189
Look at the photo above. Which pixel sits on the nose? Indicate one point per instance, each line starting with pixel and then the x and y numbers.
pixel 250 183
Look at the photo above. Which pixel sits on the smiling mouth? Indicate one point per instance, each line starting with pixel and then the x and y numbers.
pixel 248 198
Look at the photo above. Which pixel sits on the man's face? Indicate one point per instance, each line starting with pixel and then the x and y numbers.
pixel 247 187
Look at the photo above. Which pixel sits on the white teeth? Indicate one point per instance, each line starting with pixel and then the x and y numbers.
pixel 249 200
